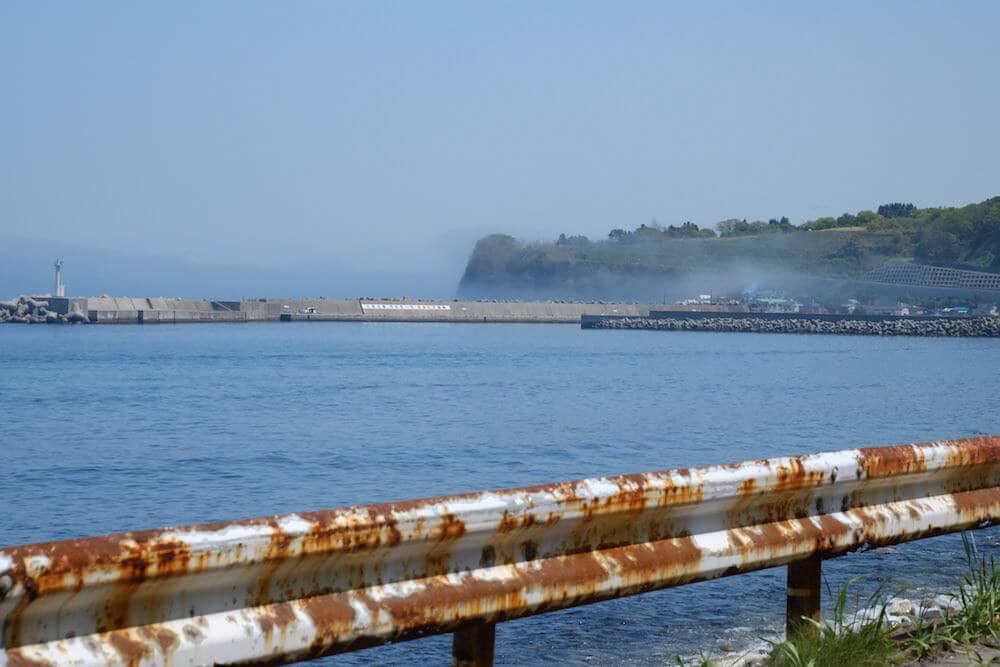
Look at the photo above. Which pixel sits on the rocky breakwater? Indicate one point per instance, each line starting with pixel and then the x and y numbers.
pixel 973 327
pixel 27 310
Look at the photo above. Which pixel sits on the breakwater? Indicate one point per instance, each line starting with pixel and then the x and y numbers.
pixel 456 311
pixel 28 310
pixel 959 327
pixel 159 310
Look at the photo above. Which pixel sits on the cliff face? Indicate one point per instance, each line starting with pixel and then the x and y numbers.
pixel 502 267
pixel 653 262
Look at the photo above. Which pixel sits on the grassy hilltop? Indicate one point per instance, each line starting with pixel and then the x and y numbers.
pixel 845 247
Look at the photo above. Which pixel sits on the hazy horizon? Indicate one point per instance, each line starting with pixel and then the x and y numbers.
pixel 250 149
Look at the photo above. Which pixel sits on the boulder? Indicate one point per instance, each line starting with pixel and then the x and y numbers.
pixel 931 614
pixel 900 607
pixel 947 603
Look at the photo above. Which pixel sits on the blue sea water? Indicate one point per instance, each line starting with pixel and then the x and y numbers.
pixel 117 428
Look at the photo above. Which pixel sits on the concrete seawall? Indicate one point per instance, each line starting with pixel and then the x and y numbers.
pixel 466 311
pixel 149 310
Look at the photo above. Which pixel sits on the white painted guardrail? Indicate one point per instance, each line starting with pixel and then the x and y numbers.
pixel 289 588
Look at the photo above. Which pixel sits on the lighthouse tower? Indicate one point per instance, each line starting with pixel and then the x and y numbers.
pixel 60 288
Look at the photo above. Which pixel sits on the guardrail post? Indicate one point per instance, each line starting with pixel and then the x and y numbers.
pixel 803 595
pixel 472 645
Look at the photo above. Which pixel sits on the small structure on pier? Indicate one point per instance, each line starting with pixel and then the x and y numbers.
pixel 60 288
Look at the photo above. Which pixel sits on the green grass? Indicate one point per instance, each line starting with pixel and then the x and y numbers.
pixel 837 642
pixel 977 622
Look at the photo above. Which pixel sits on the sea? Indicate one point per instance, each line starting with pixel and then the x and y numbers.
pixel 114 428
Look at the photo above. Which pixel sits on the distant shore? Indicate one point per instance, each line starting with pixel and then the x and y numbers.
pixel 590 315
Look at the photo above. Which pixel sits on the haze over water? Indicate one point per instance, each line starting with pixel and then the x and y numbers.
pixel 118 428
pixel 229 149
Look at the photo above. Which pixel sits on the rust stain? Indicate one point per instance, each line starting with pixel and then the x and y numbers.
pixel 331 615
pixel 973 503
pixel 627 500
pixel 128 555
pixel 395 537
pixel 676 556
pixel 451 528
pixel 794 476
pixel 508 522
pixel 975 452
pixel 165 638
pixel 273 618
pixel 275 556
pixel 16 658
pixel 879 462
pixel 115 612
pixel 132 651
pixel 193 634
pixel 441 604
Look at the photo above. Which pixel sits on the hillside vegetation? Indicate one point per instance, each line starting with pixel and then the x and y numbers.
pixel 843 247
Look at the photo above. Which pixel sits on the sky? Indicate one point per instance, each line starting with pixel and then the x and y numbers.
pixel 359 149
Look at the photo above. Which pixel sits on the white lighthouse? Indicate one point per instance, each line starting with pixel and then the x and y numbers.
pixel 60 288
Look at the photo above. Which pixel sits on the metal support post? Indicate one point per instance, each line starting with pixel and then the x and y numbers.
pixel 472 645
pixel 803 595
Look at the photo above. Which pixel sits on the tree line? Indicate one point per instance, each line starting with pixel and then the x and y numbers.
pixel 966 237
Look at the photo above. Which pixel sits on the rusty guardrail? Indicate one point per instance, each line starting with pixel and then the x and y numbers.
pixel 293 587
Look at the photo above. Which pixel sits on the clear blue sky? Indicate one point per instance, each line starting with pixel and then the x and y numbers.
pixel 347 146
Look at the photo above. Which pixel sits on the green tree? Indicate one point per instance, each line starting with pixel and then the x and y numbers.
pixel 896 210
pixel 937 246
pixel 820 224
pixel 864 218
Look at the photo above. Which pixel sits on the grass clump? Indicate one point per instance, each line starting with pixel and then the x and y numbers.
pixel 876 643
pixel 838 641
pixel 978 619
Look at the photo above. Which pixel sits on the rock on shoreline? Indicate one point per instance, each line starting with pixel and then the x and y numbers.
pixel 972 327
pixel 26 310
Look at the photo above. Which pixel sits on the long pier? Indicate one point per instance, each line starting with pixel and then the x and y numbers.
pixel 148 310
